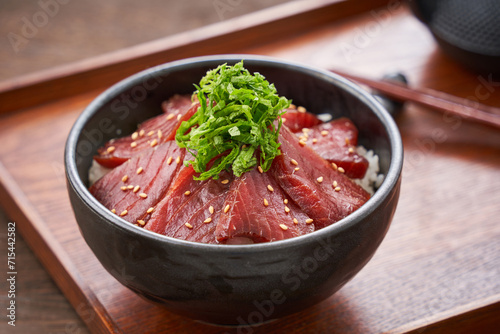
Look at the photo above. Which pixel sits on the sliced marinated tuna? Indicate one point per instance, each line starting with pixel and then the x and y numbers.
pixel 257 210
pixel 323 192
pixel 191 209
pixel 336 142
pixel 297 120
pixel 150 133
pixel 138 184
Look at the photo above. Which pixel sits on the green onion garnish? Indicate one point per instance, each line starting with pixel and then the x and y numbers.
pixel 238 118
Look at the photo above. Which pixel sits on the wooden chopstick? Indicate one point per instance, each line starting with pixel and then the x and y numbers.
pixel 436 100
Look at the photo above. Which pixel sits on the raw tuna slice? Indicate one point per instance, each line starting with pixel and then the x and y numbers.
pixel 191 209
pixel 336 142
pixel 152 132
pixel 321 191
pixel 297 120
pixel 139 184
pixel 257 210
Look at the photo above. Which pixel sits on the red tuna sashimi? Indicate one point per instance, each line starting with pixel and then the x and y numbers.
pixel 297 120
pixel 153 131
pixel 336 142
pixel 259 211
pixel 322 192
pixel 139 184
pixel 191 209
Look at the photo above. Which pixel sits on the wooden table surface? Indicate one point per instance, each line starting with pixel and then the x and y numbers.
pixel 438 270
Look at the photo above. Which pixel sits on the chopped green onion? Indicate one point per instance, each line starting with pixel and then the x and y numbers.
pixel 235 122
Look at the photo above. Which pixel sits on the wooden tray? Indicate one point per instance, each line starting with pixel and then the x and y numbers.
pixel 438 270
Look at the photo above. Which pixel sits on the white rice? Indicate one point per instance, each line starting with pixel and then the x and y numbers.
pixel 372 179
pixel 97 171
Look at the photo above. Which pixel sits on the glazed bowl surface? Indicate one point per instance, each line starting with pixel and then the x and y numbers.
pixel 233 284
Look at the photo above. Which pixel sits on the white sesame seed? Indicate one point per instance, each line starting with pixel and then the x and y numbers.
pixel 284 227
pixel 143 195
pixel 141 133
pixel 123 188
pixel 211 209
pixel 295 221
pixel 140 170
pixel 287 209
pixel 154 143
pixel 208 220
pixel 150 133
pixel 335 184
pixel 266 203
pixel 159 134
pixel 111 149
pixel 270 188
pixel 224 181
pixel 324 133
pixel 314 140
pixel 334 165
pixel 309 221
pixel 187 193
pixel 124 178
pixel 294 162
pixel 178 160
pixel 302 143
pixel 135 135
pixel 130 186
pixel 351 150
pixel 188 225
pixel 113 210
pixel 141 222
pixel 170 116
pixel 341 170
pixel 337 189
pixel 169 160
pixel 293 106
pixel 123 213
pixel 226 209
pixel 133 144
pixel 151 209
pixel 260 169
pixel 301 109
pixel 136 189
pixel 296 169
pixel 285 201
pixel 320 179
pixel 179 117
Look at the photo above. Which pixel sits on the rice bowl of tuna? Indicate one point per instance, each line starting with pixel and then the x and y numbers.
pixel 208 248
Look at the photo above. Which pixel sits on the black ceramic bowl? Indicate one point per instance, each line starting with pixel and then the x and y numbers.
pixel 233 284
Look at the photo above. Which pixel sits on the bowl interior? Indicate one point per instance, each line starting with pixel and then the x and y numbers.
pixel 118 110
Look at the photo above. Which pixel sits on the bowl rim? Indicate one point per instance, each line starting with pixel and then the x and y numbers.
pixel 390 180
